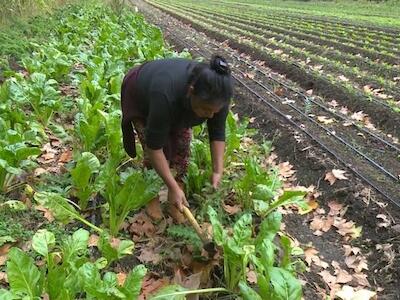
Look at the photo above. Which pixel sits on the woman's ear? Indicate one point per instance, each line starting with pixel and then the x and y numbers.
pixel 190 90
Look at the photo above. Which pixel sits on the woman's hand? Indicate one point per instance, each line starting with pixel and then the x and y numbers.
pixel 177 197
pixel 216 179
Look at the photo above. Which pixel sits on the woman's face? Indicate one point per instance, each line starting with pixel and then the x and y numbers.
pixel 204 110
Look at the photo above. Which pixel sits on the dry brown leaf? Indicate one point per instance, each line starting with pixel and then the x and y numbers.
pixel 357 263
pixel 349 293
pixel 333 103
pixel 358 116
pixel 335 208
pixel 39 171
pixel 347 228
pixel 66 156
pixel 3 277
pixel 334 175
pixel 325 120
pixel 93 240
pixel 286 169
pixel 251 277
pixel 385 220
pixel 141 225
pixel 148 255
pixel 153 209
pixel 191 282
pixel 312 257
pixel 249 75
pixel 279 91
pixel 348 250
pixel 151 285
pixel 121 277
pixel 361 279
pixel 232 209
pixel 343 78
pixel 321 223
pixel 46 213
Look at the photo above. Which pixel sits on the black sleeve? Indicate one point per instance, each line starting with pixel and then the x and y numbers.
pixel 158 121
pixel 216 125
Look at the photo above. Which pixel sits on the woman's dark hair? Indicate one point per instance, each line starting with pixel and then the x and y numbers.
pixel 213 81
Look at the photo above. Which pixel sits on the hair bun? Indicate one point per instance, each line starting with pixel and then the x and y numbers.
pixel 219 65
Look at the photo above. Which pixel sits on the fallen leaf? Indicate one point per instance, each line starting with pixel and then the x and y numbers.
pixel 93 240
pixel 385 220
pixel 39 171
pixel 309 92
pixel 325 120
pixel 191 282
pixel 349 293
pixel 148 255
pixel 348 250
pixel 343 78
pixel 358 116
pixel 65 156
pixel 3 277
pixel 361 279
pixel 251 277
pixel 279 91
pixel 312 257
pixel 141 225
pixel 153 209
pixel 335 208
pixel 333 103
pixel 232 209
pixel 151 285
pixel 347 228
pixel 47 214
pixel 121 277
pixel 357 263
pixel 321 223
pixel 286 170
pixel 334 175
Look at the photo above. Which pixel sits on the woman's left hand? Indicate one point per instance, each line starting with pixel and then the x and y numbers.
pixel 216 179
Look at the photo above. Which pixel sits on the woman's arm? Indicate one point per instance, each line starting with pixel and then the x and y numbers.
pixel 160 164
pixel 217 157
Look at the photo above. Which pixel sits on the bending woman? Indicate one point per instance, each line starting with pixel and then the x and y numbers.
pixel 162 100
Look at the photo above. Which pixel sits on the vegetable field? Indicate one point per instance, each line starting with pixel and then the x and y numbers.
pixel 308 207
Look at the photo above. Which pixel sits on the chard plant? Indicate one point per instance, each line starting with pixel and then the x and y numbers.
pixel 15 156
pixel 241 250
pixel 127 194
pixel 67 272
pixel 83 177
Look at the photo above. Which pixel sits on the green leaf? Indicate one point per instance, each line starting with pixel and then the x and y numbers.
pixel 263 192
pixel 219 233
pixel 14 204
pixel 261 207
pixel 242 230
pixel 7 295
pixel 168 293
pixel 269 227
pixel 43 241
pixel 289 197
pixel 87 165
pixel 113 249
pixel 133 282
pixel 247 292
pixel 61 208
pixel 23 275
pixel 74 247
pixel 285 285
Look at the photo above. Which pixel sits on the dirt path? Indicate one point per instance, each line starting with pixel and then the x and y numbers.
pixel 362 204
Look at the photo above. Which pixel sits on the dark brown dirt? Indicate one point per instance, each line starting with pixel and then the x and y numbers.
pixel 312 164
pixel 383 117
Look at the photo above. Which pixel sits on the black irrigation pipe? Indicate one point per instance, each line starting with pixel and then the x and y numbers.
pixel 313 137
pixel 372 99
pixel 319 104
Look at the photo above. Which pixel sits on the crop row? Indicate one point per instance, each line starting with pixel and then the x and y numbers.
pixel 375 48
pixel 299 55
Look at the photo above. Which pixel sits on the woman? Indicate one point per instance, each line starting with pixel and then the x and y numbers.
pixel 163 99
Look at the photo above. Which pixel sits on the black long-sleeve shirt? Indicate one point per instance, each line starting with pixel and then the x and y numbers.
pixel 160 97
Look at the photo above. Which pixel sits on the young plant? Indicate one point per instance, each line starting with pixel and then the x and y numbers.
pixel 125 195
pixel 67 272
pixel 15 154
pixel 83 177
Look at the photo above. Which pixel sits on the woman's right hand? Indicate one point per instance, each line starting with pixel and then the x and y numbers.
pixel 177 197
